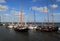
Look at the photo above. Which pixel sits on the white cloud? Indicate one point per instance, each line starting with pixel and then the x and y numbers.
pixel 58 0
pixel 7 14
pixel 3 8
pixel 17 12
pixel 2 1
pixel 34 0
pixel 41 9
pixel 13 11
pixel 54 6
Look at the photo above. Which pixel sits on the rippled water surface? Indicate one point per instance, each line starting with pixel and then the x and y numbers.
pixel 31 35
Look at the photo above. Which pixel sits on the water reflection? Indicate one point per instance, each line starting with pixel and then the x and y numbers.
pixel 31 35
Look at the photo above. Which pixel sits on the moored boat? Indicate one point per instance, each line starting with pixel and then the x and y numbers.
pixel 19 29
pixel 10 26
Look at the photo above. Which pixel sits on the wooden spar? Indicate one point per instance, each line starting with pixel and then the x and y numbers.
pixel 48 15
pixel 44 17
pixel 0 19
pixel 34 18
pixel 28 18
pixel 57 15
pixel 3 18
pixel 29 15
pixel 21 16
pixel 9 17
pixel 52 14
pixel 14 14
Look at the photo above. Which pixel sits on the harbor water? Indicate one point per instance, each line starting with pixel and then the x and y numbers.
pixel 31 35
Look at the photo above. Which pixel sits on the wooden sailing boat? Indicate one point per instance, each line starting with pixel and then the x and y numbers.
pixel 53 27
pixel 35 26
pixel 10 25
pixel 21 26
pixel 34 22
pixel 45 27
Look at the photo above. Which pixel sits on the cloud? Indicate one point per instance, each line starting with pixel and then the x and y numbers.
pixel 34 0
pixel 13 11
pixel 3 8
pixel 58 0
pixel 54 6
pixel 16 12
pixel 2 1
pixel 41 9
pixel 7 14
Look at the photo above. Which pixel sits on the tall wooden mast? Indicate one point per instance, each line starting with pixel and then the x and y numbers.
pixel 44 17
pixel 34 18
pixel 21 13
pixel 28 18
pixel 48 14
pixel 52 13
pixel 0 18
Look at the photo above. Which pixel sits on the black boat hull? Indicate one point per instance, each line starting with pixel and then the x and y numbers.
pixel 21 30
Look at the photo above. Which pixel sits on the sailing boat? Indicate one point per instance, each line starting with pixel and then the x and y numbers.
pixel 34 26
pixel 21 26
pixel 34 23
pixel 9 24
pixel 54 28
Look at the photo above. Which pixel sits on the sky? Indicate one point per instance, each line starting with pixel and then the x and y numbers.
pixel 10 10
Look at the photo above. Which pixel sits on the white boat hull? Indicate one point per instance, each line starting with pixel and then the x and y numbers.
pixel 59 28
pixel 15 26
pixel 32 27
pixel 10 26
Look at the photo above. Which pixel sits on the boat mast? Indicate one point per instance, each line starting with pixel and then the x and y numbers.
pixel 44 17
pixel 48 14
pixel 0 19
pixel 21 16
pixel 9 17
pixel 3 18
pixel 34 18
pixel 14 15
pixel 52 13
pixel 28 18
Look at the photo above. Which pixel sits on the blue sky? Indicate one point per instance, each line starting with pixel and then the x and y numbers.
pixel 7 6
